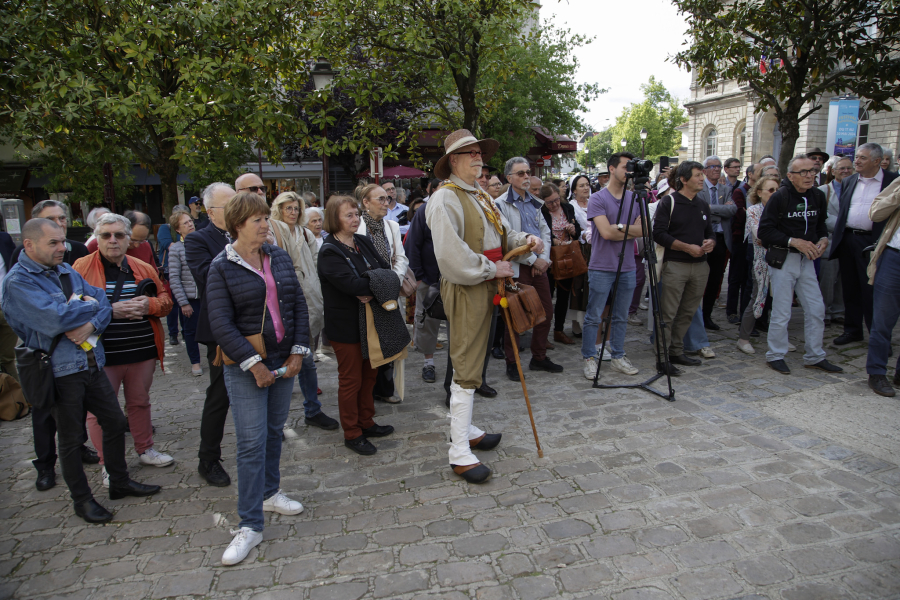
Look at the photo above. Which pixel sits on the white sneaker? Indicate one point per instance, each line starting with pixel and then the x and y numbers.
pixel 245 540
pixel 607 353
pixel 156 459
pixel 623 365
pixel 104 477
pixel 576 327
pixel 282 505
pixel 745 347
pixel 791 347
pixel 590 368
pixel 635 320
pixel 643 305
pixel 706 352
pixel 196 370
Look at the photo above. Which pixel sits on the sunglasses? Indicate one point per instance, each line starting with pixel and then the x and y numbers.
pixel 255 189
pixel 120 235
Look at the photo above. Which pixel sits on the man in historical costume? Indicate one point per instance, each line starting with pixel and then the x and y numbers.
pixel 470 236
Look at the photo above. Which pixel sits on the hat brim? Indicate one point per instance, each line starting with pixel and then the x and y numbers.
pixel 488 147
pixel 825 156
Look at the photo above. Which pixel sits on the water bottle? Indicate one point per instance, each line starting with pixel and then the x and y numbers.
pixel 279 372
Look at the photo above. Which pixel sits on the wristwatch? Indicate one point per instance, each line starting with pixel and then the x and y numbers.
pixel 620 227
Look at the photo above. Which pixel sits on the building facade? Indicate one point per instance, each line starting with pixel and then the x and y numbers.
pixel 722 120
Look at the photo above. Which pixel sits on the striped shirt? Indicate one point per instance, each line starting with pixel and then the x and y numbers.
pixel 126 341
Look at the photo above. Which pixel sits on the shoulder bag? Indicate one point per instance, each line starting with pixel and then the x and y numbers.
pixel 660 249
pixel 36 366
pixel 776 255
pixel 256 340
pixel 433 303
pixel 12 401
pixel 567 261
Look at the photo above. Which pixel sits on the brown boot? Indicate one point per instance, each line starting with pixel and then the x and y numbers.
pixel 562 338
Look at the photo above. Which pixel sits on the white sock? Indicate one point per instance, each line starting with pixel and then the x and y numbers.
pixel 429 362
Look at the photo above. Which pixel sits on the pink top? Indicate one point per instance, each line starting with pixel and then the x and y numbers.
pixel 272 299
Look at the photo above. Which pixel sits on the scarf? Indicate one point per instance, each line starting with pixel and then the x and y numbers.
pixel 491 212
pixel 375 229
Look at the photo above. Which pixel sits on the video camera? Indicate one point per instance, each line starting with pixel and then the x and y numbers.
pixel 638 168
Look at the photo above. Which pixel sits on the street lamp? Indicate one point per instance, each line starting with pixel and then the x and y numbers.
pixel 323 77
pixel 643 137
pixel 624 142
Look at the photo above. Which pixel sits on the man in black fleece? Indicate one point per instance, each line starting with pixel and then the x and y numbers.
pixel 794 218
pixel 685 229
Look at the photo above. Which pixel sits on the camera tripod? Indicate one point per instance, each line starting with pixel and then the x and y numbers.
pixel 659 326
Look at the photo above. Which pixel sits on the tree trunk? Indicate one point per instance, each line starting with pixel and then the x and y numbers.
pixel 167 169
pixel 790 133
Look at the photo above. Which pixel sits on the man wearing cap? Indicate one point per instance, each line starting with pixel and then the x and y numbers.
pixel 470 236
pixel 854 231
pixel 603 176
pixel 820 158
pixel 199 217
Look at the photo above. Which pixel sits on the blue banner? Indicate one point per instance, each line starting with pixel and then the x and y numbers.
pixel 847 123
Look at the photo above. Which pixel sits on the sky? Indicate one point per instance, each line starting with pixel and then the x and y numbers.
pixel 612 24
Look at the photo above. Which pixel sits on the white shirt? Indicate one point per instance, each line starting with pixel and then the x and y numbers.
pixel 863 194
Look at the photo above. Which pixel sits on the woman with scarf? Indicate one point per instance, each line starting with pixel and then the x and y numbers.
pixel 385 236
pixel 345 257
pixel 565 229
pixel 579 193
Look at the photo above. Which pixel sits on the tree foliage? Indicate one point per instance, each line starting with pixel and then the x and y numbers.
pixel 792 53
pixel 171 81
pixel 660 113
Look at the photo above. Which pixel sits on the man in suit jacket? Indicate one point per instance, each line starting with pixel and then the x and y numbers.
pixel 853 232
pixel 820 158
pixel 722 209
pixel 200 248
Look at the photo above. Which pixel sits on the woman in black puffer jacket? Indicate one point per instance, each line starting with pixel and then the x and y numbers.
pixel 252 291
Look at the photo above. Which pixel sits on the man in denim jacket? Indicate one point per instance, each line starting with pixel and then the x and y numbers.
pixel 38 310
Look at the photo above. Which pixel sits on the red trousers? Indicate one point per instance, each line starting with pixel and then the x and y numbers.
pixel 539 334
pixel 136 378
pixel 356 380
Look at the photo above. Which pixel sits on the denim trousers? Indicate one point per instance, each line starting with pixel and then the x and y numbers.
pixel 259 417
pixel 885 311
pixel 189 329
pixel 601 284
pixel 696 337
pixel 308 380
pixel 798 275
pixel 77 393
pixel 175 317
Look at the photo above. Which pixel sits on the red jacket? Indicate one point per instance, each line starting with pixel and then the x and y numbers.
pixel 91 268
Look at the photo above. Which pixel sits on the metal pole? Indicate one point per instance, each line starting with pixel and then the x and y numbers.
pixel 324 165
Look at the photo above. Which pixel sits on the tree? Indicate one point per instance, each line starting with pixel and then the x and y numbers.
pixel 80 174
pixel 170 81
pixel 660 113
pixel 791 53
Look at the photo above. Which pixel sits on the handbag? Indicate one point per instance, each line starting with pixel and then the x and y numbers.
pixel 567 261
pixel 433 303
pixel 256 340
pixel 775 256
pixel 12 401
pixel 408 286
pixel 36 366
pixel 525 307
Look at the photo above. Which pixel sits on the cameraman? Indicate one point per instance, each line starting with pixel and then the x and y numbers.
pixel 609 210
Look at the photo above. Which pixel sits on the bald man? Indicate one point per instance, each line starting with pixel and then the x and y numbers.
pixel 200 248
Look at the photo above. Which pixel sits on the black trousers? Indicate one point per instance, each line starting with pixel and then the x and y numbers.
pixel 562 301
pixel 738 292
pixel 384 381
pixel 855 281
pixel 215 411
pixel 717 260
pixel 495 323
pixel 43 427
pixel 77 393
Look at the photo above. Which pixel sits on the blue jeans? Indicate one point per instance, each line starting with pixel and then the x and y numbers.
pixel 308 380
pixel 885 312
pixel 259 417
pixel 601 283
pixel 189 329
pixel 696 337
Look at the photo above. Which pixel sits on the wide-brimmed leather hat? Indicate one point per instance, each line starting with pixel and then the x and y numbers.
pixel 458 140
pixel 817 151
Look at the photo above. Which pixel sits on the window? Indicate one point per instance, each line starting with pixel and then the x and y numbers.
pixel 740 142
pixel 710 143
pixel 862 127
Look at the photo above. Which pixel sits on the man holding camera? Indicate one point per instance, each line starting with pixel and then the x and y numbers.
pixel 616 216
pixel 794 218
pixel 683 226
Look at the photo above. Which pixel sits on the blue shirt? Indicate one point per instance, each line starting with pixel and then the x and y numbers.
pixel 529 212
pixel 394 215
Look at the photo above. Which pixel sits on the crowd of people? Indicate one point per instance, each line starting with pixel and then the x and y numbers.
pixel 265 286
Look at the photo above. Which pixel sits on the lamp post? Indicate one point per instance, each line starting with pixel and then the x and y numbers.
pixel 643 137
pixel 323 77
pixel 624 143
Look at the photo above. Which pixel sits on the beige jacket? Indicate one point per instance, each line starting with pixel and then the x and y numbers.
pixel 304 256
pixel 884 206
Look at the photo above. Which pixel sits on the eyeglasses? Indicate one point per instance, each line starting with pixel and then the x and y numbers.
pixel 472 153
pixel 291 209
pixel 804 172
pixel 381 199
pixel 255 189
pixel 120 235
pixel 495 185
pixel 734 167
pixel 522 173
pixel 214 208
pixel 715 167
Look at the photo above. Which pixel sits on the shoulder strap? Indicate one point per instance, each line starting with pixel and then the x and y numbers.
pixel 121 278
pixel 66 284
pixel 278 237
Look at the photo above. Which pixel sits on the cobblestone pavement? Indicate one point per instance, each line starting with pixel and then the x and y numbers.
pixel 721 494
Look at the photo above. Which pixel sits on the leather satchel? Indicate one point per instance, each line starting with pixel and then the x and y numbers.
pixel 433 303
pixel 566 261
pixel 256 340
pixel 525 307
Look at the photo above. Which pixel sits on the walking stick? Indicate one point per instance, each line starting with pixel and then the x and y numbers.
pixel 501 287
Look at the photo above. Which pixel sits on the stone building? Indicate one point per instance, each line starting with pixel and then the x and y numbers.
pixel 722 121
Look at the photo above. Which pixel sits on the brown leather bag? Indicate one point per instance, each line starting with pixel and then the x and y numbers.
pixel 525 308
pixel 256 340
pixel 566 261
